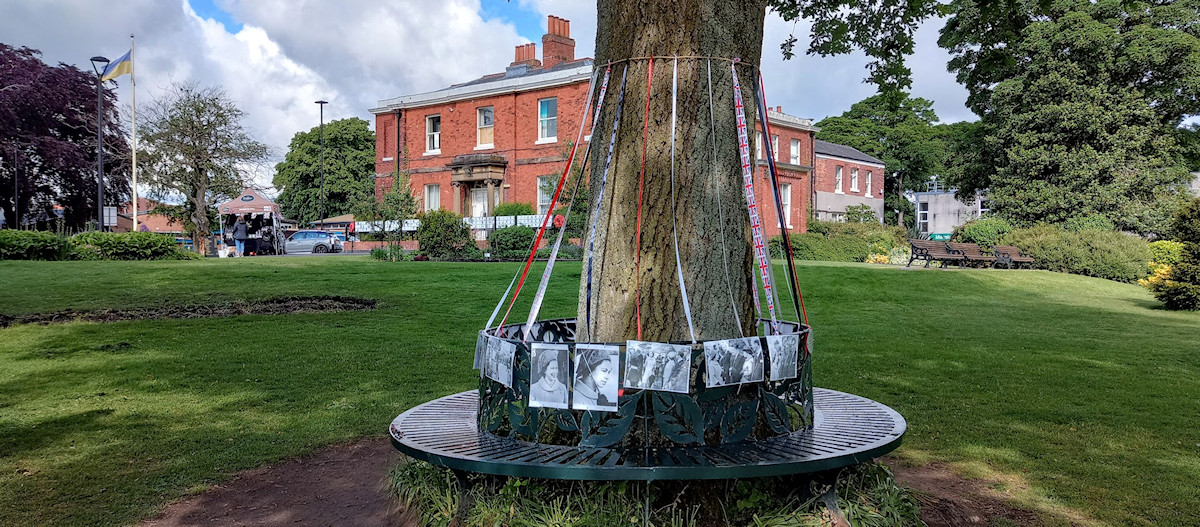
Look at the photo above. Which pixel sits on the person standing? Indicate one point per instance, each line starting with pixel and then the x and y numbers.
pixel 241 232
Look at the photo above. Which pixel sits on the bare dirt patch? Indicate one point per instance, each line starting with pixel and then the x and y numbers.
pixel 346 484
pixel 339 485
pixel 274 306
pixel 949 500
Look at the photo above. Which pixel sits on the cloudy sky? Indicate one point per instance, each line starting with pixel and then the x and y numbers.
pixel 275 57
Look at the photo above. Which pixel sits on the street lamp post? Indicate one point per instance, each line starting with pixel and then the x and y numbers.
pixel 322 105
pixel 99 139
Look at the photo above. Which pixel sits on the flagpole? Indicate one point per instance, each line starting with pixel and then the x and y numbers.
pixel 133 88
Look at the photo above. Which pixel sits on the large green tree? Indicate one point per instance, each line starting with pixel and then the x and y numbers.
pixel 349 170
pixel 193 145
pixel 48 140
pixel 899 130
pixel 1078 103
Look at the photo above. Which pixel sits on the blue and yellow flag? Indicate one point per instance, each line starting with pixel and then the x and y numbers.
pixel 118 67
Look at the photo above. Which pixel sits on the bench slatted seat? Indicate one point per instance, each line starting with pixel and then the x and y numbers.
pixel 1009 255
pixel 934 251
pixel 847 430
pixel 973 253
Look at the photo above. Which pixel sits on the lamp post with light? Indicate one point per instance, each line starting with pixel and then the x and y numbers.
pixel 99 138
pixel 322 105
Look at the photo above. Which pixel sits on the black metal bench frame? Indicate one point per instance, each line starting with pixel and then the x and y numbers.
pixel 923 253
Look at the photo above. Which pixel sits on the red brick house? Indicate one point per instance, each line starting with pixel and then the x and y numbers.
pixel 846 177
pixel 501 137
pixel 146 220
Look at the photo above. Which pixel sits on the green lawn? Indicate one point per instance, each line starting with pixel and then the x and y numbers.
pixel 1081 395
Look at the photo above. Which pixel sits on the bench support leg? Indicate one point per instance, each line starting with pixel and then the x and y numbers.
pixel 829 501
pixel 466 500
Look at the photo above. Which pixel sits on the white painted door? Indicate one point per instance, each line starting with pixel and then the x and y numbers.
pixel 478 202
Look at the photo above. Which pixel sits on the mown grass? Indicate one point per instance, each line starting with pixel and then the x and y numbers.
pixel 1080 395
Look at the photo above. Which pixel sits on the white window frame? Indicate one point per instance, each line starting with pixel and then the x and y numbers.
pixel 869 177
pixel 795 152
pixel 433 196
pixel 775 146
pixel 837 179
pixel 546 139
pixel 758 148
pixel 479 127
pixel 854 179
pixel 785 191
pixel 923 216
pixel 544 194
pixel 433 140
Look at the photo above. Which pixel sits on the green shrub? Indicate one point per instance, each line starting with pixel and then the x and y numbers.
pixel 566 252
pixel 1166 252
pixel 1102 254
pixel 127 246
pixel 391 253
pixel 1179 286
pixel 842 242
pixel 1094 222
pixel 444 236
pixel 985 231
pixel 513 209
pixel 861 214
pixel 31 245
pixel 511 243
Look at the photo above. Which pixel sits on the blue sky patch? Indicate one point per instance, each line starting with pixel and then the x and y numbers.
pixel 209 9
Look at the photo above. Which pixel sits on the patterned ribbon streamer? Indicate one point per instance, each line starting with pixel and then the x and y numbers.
pixel 789 269
pixel 687 307
pixel 764 265
pixel 541 291
pixel 599 200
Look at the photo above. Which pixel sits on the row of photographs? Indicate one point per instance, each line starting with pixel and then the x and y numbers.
pixel 593 371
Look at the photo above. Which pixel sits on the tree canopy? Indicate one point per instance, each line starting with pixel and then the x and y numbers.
pixel 1078 104
pixel 48 140
pixel 899 130
pixel 194 144
pixel 349 170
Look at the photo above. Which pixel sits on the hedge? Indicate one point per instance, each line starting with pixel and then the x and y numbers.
pixel 511 243
pixel 1102 254
pixel 842 242
pixel 31 245
pixel 443 236
pixel 127 246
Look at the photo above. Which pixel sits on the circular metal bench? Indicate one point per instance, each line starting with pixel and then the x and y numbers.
pixel 847 430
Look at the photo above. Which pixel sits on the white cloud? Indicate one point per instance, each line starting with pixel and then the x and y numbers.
pixel 289 53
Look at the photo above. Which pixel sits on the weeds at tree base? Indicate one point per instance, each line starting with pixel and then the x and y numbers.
pixel 867 494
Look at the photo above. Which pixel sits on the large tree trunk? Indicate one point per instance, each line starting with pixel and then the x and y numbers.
pixel 628 31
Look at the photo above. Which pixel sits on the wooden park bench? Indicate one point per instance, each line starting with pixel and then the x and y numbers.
pixel 934 251
pixel 973 253
pixel 1009 255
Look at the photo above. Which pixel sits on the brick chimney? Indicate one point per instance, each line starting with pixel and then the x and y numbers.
pixel 557 45
pixel 525 55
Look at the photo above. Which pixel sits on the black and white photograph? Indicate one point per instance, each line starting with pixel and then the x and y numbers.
pixel 499 360
pixel 596 372
pixel 783 349
pixel 480 350
pixel 547 379
pixel 733 361
pixel 657 366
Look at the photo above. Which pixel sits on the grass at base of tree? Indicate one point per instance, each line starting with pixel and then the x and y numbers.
pixel 867 494
pixel 1079 394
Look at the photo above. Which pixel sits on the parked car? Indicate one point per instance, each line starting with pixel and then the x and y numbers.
pixel 312 241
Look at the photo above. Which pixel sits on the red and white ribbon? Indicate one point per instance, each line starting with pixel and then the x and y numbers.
pixel 760 248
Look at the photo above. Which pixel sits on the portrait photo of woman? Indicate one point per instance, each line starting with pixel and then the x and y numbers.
pixel 595 386
pixel 546 386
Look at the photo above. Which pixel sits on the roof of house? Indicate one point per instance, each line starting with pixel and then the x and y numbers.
pixel 825 148
pixel 519 77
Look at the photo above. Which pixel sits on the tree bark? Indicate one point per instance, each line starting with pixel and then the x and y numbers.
pixel 707 188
